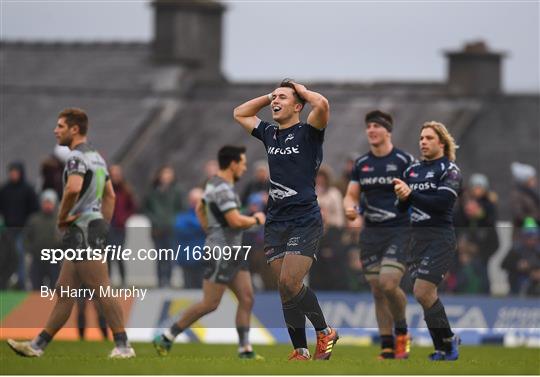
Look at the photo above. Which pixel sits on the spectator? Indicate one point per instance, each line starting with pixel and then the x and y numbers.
pixel 18 201
pixel 343 181
pixel 524 196
pixel 469 276
pixel 189 234
pixel 211 168
pixel 8 256
pixel 260 183
pixel 263 277
pixel 161 205
pixel 51 175
pixel 330 271
pixel 41 233
pixel 522 262
pixel 475 222
pixel 329 198
pixel 124 207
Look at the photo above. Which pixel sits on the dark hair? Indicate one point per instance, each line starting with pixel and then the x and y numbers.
pixel 380 117
pixel 288 83
pixel 75 117
pixel 228 154
pixel 156 180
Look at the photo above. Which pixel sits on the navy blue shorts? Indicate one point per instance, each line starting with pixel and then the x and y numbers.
pixel 300 236
pixel 432 252
pixel 384 247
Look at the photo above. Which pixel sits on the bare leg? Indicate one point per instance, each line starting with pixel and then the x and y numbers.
pixel 243 290
pixel 212 294
pixel 62 308
pixel 397 301
pixel 94 275
pixel 382 311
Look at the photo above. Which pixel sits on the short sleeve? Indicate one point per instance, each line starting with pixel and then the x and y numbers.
pixel 259 131
pixel 76 165
pixel 315 134
pixel 225 198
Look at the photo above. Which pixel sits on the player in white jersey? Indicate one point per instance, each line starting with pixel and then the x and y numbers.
pixel 219 214
pixel 86 209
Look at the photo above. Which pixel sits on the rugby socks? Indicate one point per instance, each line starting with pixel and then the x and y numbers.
pixel 296 324
pixel 400 327
pixel 438 325
pixel 307 302
pixel 243 336
pixel 387 342
pixel 171 333
pixel 120 339
pixel 41 341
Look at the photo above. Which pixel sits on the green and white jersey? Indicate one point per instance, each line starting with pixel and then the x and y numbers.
pixel 220 197
pixel 85 161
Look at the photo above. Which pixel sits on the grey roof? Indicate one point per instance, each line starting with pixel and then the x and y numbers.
pixel 144 114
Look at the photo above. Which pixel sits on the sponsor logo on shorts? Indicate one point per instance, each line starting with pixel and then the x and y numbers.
pixel 293 241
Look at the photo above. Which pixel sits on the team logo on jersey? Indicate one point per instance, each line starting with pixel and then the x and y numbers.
pixel 391 167
pixel 378 215
pixel 413 174
pixel 430 174
pixel 418 215
pixel 279 191
pixel 289 137
pixel 367 168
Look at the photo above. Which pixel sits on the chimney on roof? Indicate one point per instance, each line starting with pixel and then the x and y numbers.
pixel 475 70
pixel 189 32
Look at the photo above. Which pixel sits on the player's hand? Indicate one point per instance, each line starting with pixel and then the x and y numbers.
pixel 351 213
pixel 64 223
pixel 300 89
pixel 401 189
pixel 261 216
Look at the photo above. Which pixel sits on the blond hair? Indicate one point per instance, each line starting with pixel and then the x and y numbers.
pixel 445 137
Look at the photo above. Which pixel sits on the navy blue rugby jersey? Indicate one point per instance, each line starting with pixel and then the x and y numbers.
pixel 294 157
pixel 375 175
pixel 435 187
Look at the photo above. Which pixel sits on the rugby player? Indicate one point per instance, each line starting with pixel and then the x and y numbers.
pixel 294 226
pixel 429 189
pixel 384 239
pixel 85 211
pixel 219 214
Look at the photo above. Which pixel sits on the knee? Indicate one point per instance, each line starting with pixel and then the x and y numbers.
pixel 377 291
pixel 425 297
pixel 247 300
pixel 388 285
pixel 288 288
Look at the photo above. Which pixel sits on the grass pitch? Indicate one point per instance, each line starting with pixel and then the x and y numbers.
pixel 91 358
